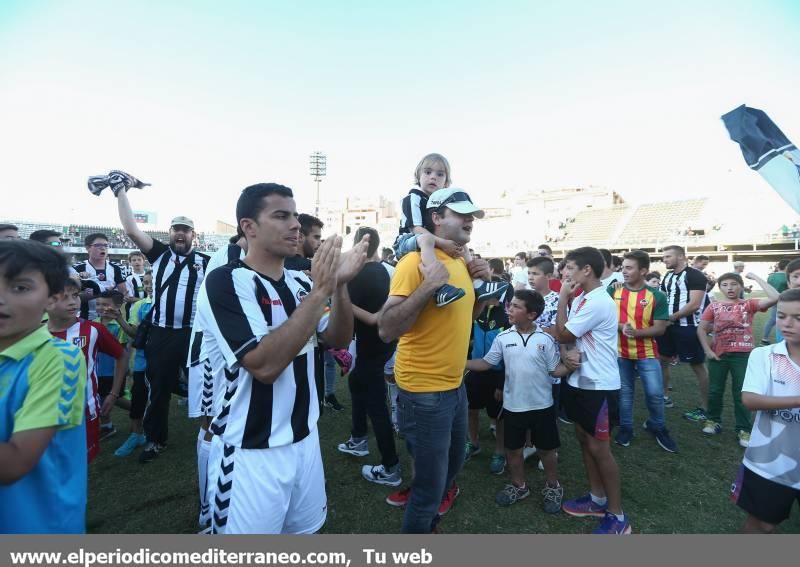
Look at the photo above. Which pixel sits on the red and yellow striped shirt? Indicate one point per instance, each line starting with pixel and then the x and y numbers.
pixel 641 308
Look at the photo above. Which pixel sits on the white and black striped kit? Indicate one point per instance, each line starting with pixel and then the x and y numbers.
pixel 677 285
pixel 174 305
pixel 237 308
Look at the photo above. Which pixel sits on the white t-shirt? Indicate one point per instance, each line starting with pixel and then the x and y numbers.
pixel 613 277
pixel 529 359
pixel 774 451
pixel 519 275
pixel 593 320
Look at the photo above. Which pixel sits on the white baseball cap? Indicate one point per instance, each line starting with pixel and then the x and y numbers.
pixel 454 199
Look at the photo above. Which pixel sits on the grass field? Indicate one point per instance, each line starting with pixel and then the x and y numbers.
pixel 662 493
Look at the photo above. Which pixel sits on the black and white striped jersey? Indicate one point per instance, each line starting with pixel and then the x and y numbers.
pixel 412 210
pixel 106 278
pixel 237 308
pixel 135 285
pixel 677 285
pixel 174 300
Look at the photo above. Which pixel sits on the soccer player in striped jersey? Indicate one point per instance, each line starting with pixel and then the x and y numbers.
pixel 643 315
pixel 93 339
pixel 261 322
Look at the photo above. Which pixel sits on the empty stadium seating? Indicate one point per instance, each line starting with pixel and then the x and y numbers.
pixel 660 223
pixel 594 227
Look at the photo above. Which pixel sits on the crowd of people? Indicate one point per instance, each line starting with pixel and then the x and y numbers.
pixel 427 333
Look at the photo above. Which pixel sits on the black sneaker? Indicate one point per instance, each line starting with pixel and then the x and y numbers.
pixel 491 290
pixel 333 403
pixel 624 436
pixel 447 294
pixel 150 452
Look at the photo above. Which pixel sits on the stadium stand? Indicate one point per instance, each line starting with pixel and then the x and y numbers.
pixel 659 223
pixel 593 227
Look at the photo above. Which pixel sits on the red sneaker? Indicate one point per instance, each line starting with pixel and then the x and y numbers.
pixel 399 498
pixel 447 503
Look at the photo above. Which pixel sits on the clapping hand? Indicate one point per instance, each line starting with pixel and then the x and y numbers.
pixel 324 265
pixel 351 262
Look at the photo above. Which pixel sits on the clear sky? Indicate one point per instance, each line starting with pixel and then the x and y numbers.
pixel 204 98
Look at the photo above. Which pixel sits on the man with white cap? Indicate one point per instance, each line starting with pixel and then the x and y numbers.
pixel 178 271
pixel 431 354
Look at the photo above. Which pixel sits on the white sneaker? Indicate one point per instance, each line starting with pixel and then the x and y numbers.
pixel 379 475
pixel 355 448
pixel 528 452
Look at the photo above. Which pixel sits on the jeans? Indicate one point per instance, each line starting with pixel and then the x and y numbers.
pixel 736 364
pixel 773 319
pixel 435 428
pixel 368 394
pixel 649 370
pixel 330 374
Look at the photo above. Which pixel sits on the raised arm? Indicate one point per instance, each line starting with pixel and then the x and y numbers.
pixel 143 240
pixel 772 293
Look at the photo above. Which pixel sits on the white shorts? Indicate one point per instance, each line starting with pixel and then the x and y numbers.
pixel 201 389
pixel 280 490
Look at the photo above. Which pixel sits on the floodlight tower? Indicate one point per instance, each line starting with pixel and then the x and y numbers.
pixel 318 162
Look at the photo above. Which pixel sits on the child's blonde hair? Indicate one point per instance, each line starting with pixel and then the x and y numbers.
pixel 433 159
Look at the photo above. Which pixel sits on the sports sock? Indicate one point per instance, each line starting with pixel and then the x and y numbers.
pixel 203 448
pixel 599 501
pixel 620 517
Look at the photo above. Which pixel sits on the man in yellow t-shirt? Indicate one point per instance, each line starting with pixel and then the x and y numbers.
pixel 431 354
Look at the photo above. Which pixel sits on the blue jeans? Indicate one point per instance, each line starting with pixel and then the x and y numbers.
pixel 649 370
pixel 771 322
pixel 330 374
pixel 435 427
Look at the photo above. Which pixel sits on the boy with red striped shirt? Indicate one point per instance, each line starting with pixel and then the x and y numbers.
pixel 643 315
pixel 92 338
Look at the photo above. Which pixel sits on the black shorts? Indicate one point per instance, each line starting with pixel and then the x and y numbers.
pixel 762 498
pixel 480 391
pixel 104 386
pixel 596 411
pixel 541 423
pixel 682 342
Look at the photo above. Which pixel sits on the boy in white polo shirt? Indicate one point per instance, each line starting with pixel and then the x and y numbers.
pixel 591 394
pixel 530 357
pixel 768 482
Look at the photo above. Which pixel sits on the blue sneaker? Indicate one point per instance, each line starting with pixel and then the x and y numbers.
pixel 663 438
pixel 583 506
pixel 447 294
pixel 133 441
pixel 497 464
pixel 611 525
pixel 624 436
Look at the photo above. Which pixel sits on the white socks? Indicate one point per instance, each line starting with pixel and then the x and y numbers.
pixel 203 448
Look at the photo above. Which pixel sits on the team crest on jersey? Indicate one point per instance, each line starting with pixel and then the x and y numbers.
pixel 301 294
pixel 540 347
pixel 644 302
pixel 492 324
pixel 79 341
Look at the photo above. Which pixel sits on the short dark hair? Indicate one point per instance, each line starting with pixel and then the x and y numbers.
pixel 523 255
pixel 497 266
pixel 113 295
pixel 386 252
pixel 793 266
pixel 251 200
pixel 374 239
pixel 90 238
pixel 71 283
pixel 427 218
pixel 790 295
pixel 545 247
pixel 587 256
pixel 730 276
pixel 43 235
pixel 533 300
pixel 782 264
pixel 678 249
pixel 616 260
pixel 543 263
pixel 135 253
pixel 652 275
pixel 641 258
pixel 307 222
pixel 702 258
pixel 6 226
pixel 17 256
pixel 606 256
